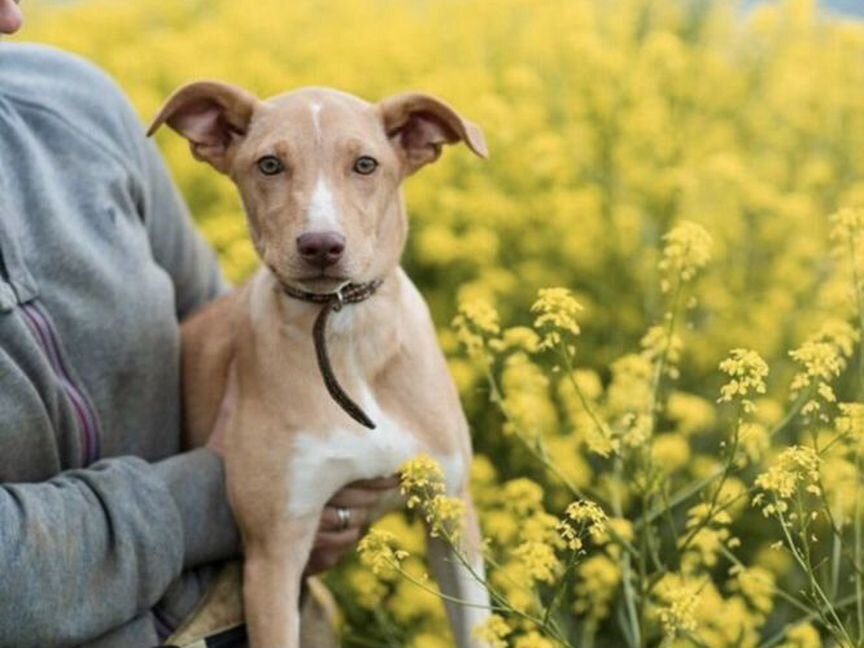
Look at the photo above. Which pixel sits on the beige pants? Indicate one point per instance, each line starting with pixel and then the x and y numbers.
pixel 221 609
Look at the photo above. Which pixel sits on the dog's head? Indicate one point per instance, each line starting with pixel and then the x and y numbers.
pixel 319 171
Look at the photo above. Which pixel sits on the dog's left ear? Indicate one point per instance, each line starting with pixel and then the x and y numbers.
pixel 418 125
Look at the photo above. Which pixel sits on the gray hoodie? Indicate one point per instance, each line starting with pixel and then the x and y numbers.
pixel 100 517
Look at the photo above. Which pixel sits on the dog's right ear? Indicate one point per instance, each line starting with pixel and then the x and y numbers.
pixel 211 115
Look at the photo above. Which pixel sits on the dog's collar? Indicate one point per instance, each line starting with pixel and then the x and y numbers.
pixel 347 293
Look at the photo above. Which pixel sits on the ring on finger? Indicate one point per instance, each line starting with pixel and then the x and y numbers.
pixel 344 516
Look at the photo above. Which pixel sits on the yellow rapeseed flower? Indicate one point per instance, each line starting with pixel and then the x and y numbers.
pixel 377 552
pixel 802 635
pixel 494 631
pixel 796 467
pixel 538 560
pixel 687 249
pixel 476 324
pixel 556 310
pixel 533 639
pixel 421 478
pixel 747 372
pixel 422 483
pixel 847 225
pixel 582 517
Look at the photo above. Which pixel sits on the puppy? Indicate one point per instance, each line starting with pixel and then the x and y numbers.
pixel 330 347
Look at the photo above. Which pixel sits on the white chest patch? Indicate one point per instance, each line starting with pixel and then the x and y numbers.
pixel 323 462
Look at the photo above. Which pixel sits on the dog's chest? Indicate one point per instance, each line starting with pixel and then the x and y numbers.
pixel 322 463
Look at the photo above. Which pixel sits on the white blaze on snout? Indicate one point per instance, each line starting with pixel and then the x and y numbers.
pixel 323 215
pixel 316 110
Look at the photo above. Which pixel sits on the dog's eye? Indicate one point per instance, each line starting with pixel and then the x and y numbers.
pixel 270 165
pixel 365 165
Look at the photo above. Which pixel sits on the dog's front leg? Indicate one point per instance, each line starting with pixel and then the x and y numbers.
pixel 272 576
pixel 458 581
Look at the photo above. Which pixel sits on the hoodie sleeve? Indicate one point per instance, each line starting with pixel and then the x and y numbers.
pixel 104 542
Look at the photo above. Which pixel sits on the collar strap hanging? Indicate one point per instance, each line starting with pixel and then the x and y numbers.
pixel 349 293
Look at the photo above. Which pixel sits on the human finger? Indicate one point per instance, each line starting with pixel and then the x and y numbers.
pixel 331 520
pixel 353 498
pixel 379 483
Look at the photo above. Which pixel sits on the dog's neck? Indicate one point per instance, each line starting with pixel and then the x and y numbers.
pixel 365 334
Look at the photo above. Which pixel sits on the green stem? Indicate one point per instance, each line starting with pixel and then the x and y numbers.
pixel 550 629
pixel 629 595
pixel 568 363
pixel 727 471
pixel 497 398
pixel 833 624
pixel 791 600
pixel 859 590
pixel 559 588
pixel 810 615
pixel 691 489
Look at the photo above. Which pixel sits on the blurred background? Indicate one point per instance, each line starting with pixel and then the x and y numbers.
pixel 609 123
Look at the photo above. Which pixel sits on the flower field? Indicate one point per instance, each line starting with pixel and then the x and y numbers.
pixel 651 296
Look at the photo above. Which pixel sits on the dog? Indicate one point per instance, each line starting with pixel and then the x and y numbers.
pixel 330 346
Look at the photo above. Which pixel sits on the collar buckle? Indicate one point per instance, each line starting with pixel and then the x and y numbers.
pixel 339 293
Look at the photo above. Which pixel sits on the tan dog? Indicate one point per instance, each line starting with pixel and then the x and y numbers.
pixel 319 172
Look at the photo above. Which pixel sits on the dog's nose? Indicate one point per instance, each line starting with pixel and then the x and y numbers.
pixel 321 249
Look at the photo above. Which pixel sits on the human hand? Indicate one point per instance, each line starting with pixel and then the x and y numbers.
pixel 364 502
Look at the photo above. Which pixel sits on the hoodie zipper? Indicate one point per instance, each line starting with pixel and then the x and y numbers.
pixel 46 336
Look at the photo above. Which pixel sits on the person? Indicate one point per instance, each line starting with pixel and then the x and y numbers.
pixel 109 533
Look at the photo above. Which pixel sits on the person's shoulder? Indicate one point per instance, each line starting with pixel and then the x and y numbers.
pixel 74 91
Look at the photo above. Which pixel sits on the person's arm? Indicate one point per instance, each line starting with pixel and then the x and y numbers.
pixel 176 245
pixel 89 550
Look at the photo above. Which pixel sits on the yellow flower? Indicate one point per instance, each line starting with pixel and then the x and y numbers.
pixel 757 584
pixel 517 338
pixel 822 358
pixel 557 310
pixel 430 640
pixel 747 371
pixel 598 578
pixel 475 324
pixel 754 440
pixel 850 423
pixel 670 452
pixel 847 225
pixel 802 635
pixel 523 496
pixel 630 389
pixel 582 517
pixel 692 413
pixel 687 249
pixel 369 591
pixel 421 478
pixel 530 411
pixel 657 343
pixel 796 467
pixel 533 639
pixel 538 560
pixel 445 516
pixel 494 631
pixel 377 552
pixel 422 483
pixel 679 598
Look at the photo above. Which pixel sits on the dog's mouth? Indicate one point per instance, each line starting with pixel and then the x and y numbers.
pixel 320 282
